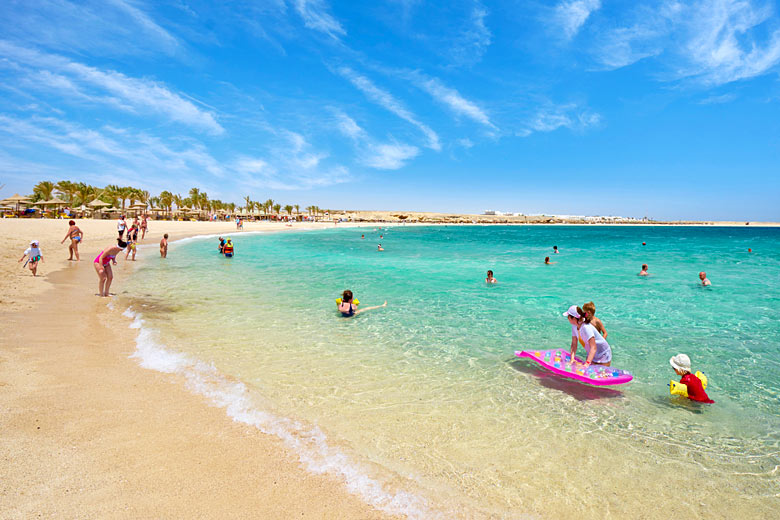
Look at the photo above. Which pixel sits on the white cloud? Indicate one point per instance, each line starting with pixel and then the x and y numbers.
pixel 90 84
pixel 147 25
pixel 453 100
pixel 382 156
pixel 387 101
pixel 389 156
pixel 712 42
pixel 551 118
pixel 718 100
pixel 315 16
pixel 571 15
pixel 475 38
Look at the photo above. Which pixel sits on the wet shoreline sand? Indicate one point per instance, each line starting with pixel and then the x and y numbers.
pixel 87 433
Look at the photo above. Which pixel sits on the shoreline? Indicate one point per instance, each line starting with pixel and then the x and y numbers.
pixel 90 433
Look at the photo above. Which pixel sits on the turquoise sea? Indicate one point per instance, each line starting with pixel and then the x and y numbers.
pixel 422 407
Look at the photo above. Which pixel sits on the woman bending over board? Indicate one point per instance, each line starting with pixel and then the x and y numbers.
pixel 599 351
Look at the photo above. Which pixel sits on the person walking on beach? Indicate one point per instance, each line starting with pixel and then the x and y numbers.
pixel 490 278
pixel 599 351
pixel 644 272
pixel 704 280
pixel 164 246
pixel 132 241
pixel 34 255
pixel 121 225
pixel 349 309
pixel 103 266
pixel 75 235
pixel 144 226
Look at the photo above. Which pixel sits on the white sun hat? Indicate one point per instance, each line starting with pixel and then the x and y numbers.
pixel 572 312
pixel 681 362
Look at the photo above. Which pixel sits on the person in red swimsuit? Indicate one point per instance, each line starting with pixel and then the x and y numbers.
pixel 682 366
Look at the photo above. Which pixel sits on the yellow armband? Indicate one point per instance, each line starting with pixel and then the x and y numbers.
pixel 355 301
pixel 680 389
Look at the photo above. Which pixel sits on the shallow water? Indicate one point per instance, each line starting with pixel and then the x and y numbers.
pixel 426 397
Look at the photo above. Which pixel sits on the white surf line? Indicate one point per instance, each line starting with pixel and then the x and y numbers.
pixel 309 443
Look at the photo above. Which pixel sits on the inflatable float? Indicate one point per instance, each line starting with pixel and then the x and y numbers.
pixel 559 361
pixel 677 388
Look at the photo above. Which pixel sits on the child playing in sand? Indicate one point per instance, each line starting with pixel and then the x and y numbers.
pixel 349 309
pixel 644 272
pixel 490 278
pixel 34 255
pixel 164 246
pixel 682 366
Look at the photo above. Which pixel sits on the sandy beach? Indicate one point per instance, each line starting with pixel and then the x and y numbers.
pixel 87 433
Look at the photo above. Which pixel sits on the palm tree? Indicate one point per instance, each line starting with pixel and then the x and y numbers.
pixel 67 188
pixel 232 207
pixel 288 208
pixel 176 199
pixel 277 207
pixel 166 199
pixel 195 197
pixel 248 203
pixel 204 201
pixel 43 190
pixel 298 209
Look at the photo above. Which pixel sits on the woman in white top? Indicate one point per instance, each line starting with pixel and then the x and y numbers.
pixel 121 224
pixel 599 351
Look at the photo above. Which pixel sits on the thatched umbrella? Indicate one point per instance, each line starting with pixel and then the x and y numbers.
pixel 17 199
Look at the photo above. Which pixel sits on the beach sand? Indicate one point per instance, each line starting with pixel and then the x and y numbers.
pixel 87 433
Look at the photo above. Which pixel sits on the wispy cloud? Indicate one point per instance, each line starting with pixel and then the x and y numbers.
pixel 453 100
pixel 315 15
pixel 290 164
pixel 382 156
pixel 390 103
pixel 718 100
pixel 569 16
pixel 95 27
pixel 53 72
pixel 475 38
pixel 711 42
pixel 552 117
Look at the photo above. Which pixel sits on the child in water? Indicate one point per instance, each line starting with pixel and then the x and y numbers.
pixel 682 366
pixel 490 278
pixel 590 313
pixel 349 309
pixel 644 272
pixel 547 261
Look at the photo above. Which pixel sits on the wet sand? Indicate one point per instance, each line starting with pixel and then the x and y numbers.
pixel 87 433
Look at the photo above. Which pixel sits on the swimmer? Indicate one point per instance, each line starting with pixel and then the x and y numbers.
pixel 349 309
pixel 380 248
pixel 703 277
pixel 599 351
pixel 221 245
pixel 490 278
pixel 362 236
pixel 555 249
pixel 34 255
pixel 103 266
pixel 164 246
pixel 381 237
pixel 76 235
pixel 547 261
pixel 644 272
pixel 590 312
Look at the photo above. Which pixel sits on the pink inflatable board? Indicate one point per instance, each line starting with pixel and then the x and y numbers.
pixel 559 361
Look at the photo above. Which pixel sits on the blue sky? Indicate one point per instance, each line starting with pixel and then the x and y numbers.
pixel 659 108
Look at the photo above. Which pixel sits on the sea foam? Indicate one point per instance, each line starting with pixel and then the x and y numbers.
pixel 308 442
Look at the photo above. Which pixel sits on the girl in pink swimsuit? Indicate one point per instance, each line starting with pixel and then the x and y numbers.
pixel 103 266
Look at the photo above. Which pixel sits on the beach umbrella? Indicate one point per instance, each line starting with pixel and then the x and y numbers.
pixel 97 203
pixel 17 199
